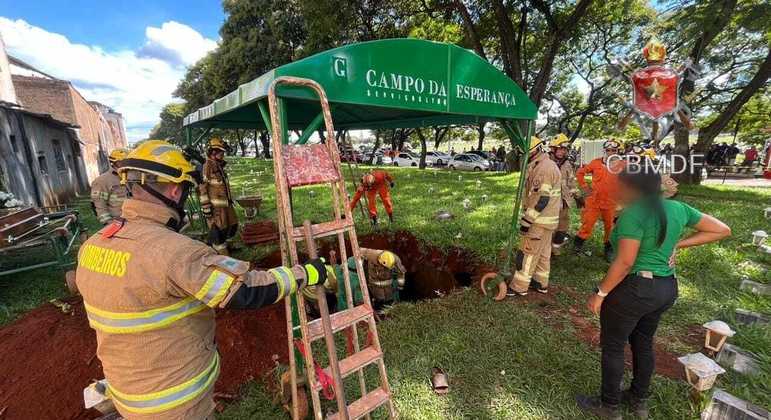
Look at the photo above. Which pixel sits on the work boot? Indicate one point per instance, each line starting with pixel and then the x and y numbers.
pixel 390 218
pixel 513 293
pixel 638 406
pixel 374 220
pixel 578 244
pixel 608 252
pixel 534 285
pixel 595 406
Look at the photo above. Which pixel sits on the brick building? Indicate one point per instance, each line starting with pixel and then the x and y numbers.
pixel 99 128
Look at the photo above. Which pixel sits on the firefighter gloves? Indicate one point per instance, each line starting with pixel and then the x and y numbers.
pixel 315 272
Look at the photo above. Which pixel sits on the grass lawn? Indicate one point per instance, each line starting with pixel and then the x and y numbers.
pixel 514 359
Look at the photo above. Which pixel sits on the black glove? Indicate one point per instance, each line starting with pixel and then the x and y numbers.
pixel 315 272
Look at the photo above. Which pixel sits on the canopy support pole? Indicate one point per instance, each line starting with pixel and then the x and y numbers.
pixel 199 138
pixel 265 115
pixel 311 128
pixel 525 142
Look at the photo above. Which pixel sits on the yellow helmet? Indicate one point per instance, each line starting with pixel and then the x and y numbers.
pixel 217 144
pixel 560 140
pixel 387 259
pixel 157 161
pixel 536 143
pixel 649 153
pixel 117 154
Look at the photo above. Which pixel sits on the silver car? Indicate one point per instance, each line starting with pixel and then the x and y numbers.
pixel 468 162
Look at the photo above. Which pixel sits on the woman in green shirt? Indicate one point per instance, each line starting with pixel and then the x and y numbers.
pixel 640 285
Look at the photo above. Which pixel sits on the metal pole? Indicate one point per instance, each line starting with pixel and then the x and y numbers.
pixel 518 202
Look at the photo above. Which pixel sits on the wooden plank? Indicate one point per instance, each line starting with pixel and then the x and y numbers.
pixel 357 361
pixel 339 321
pixel 364 406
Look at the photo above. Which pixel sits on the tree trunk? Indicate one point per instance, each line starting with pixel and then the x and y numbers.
pixel 422 138
pixel 481 138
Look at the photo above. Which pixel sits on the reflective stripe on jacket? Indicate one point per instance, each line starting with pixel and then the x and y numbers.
pixel 107 194
pixel 543 193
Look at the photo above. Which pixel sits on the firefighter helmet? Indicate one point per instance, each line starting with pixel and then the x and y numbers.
pixel 368 180
pixel 117 154
pixel 157 161
pixel 611 144
pixel 216 143
pixel 560 140
pixel 387 259
pixel 537 144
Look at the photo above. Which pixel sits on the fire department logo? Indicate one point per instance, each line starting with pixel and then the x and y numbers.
pixel 654 90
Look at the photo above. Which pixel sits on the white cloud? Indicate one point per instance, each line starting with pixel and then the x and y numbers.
pixel 135 83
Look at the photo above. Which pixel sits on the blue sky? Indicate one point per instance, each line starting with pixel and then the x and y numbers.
pixel 126 54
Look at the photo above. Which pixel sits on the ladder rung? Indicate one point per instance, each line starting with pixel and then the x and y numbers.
pixel 364 406
pixel 357 361
pixel 339 321
pixel 323 229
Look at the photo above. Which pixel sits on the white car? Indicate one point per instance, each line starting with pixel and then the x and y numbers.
pixel 468 162
pixel 437 158
pixel 406 159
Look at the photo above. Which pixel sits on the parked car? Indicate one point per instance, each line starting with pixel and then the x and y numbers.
pixel 380 159
pixel 468 162
pixel 406 159
pixel 437 158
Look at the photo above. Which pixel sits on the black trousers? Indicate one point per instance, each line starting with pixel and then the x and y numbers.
pixel 631 313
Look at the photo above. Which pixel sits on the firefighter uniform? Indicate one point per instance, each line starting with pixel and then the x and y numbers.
pixel 385 274
pixel 568 190
pixel 602 202
pixel 150 294
pixel 375 183
pixel 217 200
pixel 541 216
pixel 107 193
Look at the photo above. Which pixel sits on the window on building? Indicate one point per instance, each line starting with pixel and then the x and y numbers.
pixel 58 155
pixel 14 146
pixel 42 164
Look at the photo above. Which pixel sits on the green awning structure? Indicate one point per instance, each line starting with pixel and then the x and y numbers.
pixel 390 83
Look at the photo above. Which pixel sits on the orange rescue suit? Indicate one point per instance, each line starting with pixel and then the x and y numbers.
pixel 602 202
pixel 380 187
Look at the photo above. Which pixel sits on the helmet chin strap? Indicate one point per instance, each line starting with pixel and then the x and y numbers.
pixel 178 206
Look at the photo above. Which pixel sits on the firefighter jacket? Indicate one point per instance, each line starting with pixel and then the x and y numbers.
pixel 604 183
pixel 380 279
pixel 543 196
pixel 215 191
pixel 107 195
pixel 150 294
pixel 568 183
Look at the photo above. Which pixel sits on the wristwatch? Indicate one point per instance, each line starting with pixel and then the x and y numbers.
pixel 599 292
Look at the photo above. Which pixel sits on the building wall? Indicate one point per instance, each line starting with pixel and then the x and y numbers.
pixel 100 129
pixel 40 160
pixel 7 93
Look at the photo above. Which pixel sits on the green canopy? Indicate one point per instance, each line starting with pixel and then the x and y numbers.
pixel 380 84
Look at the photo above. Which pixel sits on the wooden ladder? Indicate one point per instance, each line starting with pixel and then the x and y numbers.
pixel 319 164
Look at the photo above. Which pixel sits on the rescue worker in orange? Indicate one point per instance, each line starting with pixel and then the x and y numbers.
pixel 150 293
pixel 216 197
pixel 107 193
pixel 559 149
pixel 377 182
pixel 601 201
pixel 541 206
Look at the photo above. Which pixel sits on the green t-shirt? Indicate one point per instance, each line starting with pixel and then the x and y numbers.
pixel 639 222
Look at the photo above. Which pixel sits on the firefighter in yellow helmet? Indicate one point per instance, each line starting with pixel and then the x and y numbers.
pixel 107 193
pixel 385 274
pixel 216 197
pixel 559 150
pixel 150 293
pixel 541 207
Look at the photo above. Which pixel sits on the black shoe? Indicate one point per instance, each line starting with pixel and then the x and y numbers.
pixel 534 285
pixel 608 252
pixel 638 406
pixel 578 244
pixel 374 220
pixel 390 218
pixel 513 293
pixel 594 405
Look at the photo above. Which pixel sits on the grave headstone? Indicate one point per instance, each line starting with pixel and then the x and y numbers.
pixel 755 287
pixel 738 359
pixel 725 406
pixel 746 317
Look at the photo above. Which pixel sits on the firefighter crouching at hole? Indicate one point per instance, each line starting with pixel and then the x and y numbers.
pixel 376 182
pixel 601 201
pixel 150 293
pixel 541 215
pixel 560 148
pixel 107 193
pixel 216 197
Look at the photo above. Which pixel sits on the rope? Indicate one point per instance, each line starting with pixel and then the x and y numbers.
pixel 325 381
